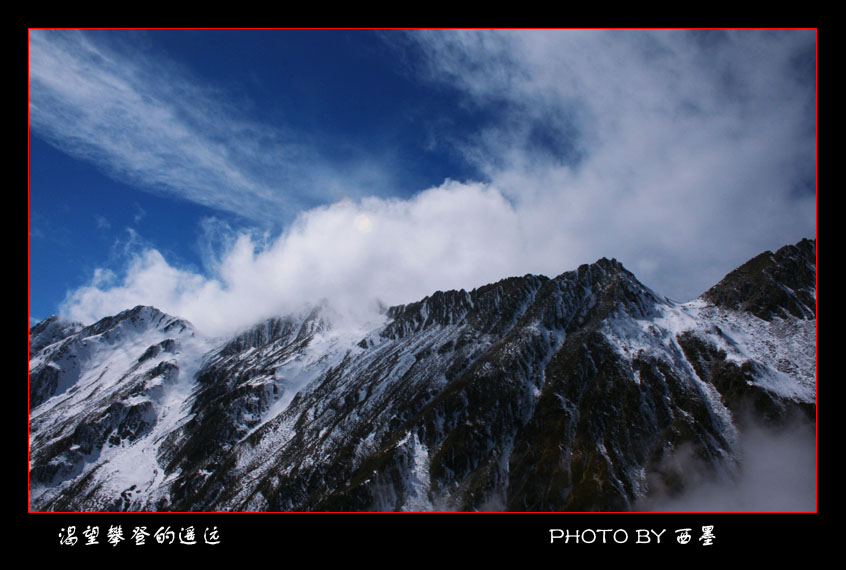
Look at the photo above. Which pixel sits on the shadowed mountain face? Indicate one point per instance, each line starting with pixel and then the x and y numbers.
pixel 772 285
pixel 530 394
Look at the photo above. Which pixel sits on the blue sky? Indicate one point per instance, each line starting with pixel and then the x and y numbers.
pixel 225 176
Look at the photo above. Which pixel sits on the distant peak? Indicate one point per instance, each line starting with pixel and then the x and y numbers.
pixel 605 262
pixel 52 329
pixel 603 265
pixel 602 271
pixel 143 309
pixel 772 284
pixel 43 324
pixel 143 316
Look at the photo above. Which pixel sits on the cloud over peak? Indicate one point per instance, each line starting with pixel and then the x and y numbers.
pixel 353 253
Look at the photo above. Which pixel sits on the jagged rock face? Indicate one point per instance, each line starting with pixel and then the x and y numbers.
pixel 236 386
pixel 772 284
pixel 529 394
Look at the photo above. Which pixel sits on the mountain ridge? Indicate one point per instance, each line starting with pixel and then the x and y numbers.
pixel 531 393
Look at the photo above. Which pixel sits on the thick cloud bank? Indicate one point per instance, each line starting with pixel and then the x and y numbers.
pixel 352 254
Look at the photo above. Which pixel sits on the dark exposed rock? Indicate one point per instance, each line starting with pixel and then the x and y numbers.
pixel 772 284
pixel 737 386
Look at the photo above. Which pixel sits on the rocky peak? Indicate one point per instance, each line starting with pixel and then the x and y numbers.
pixel 138 315
pixel 602 289
pixel 772 284
pixel 290 327
pixel 51 330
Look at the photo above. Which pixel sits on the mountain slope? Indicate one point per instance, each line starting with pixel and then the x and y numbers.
pixel 527 394
pixel 106 393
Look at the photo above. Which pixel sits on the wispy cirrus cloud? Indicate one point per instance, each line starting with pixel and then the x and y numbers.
pixel 146 120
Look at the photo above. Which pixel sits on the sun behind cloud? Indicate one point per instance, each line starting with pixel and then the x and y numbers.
pixel 363 223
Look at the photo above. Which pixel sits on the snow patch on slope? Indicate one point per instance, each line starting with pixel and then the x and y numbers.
pixel 125 376
pixel 784 348
pixel 417 481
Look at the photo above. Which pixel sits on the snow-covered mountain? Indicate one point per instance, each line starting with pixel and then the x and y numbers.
pixel 530 394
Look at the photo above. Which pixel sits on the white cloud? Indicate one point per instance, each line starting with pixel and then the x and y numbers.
pixel 352 253
pixel 680 153
pixel 680 157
